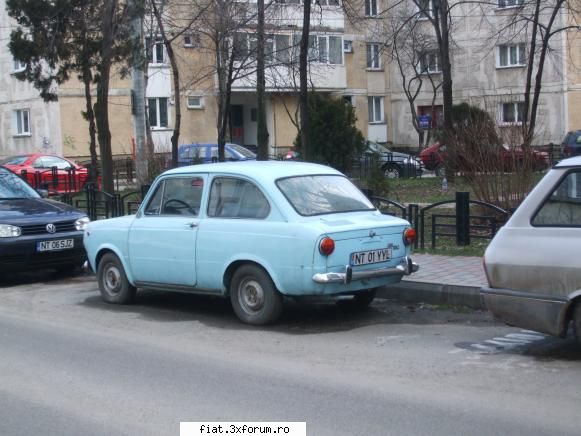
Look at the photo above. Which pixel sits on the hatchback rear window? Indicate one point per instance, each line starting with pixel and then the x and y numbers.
pixel 323 194
pixel 14 160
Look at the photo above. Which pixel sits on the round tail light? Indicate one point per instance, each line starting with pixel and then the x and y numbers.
pixel 327 246
pixel 409 236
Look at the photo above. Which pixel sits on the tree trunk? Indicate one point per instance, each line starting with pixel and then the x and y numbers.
pixel 87 81
pixel 102 104
pixel 304 84
pixel 176 85
pixel 262 135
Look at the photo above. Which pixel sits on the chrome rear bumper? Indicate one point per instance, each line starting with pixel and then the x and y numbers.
pixel 406 267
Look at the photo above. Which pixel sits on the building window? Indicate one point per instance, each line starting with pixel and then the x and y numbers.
pixel 195 102
pixel 347 46
pixel 18 66
pixel 429 62
pixel 155 50
pixel 425 8
pixel 373 57
pixel 509 3
pixel 191 40
pixel 22 122
pixel 512 113
pixel 348 99
pixel 513 55
pixel 371 8
pixel 435 114
pixel 157 112
pixel 375 108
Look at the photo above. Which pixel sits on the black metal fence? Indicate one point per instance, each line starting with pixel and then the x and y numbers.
pixel 101 205
pixel 460 218
pixel 56 180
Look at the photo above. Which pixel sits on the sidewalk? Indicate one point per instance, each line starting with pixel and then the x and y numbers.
pixel 454 280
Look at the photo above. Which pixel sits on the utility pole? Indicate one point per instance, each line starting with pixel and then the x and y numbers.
pixel 138 98
pixel 262 135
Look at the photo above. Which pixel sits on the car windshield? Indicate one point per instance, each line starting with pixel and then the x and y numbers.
pixel 12 186
pixel 243 151
pixel 323 194
pixel 13 160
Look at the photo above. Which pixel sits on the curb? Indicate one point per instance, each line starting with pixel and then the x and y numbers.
pixel 433 293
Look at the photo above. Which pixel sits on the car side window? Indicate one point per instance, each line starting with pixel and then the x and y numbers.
pixel 50 161
pixel 563 207
pixel 153 207
pixel 236 198
pixel 182 196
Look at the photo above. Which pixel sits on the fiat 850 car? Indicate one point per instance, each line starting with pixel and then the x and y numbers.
pixel 253 232
pixel 532 264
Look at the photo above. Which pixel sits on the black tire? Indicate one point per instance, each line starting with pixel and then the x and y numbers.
pixel 577 322
pixel 254 297
pixel 361 299
pixel 392 171
pixel 113 283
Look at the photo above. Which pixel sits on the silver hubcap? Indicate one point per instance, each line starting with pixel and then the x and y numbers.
pixel 112 279
pixel 392 173
pixel 251 296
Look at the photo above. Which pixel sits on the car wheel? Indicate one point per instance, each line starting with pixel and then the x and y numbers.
pixel 362 299
pixel 254 297
pixel 392 171
pixel 113 283
pixel 440 170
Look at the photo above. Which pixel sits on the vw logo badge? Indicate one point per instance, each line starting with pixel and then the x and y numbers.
pixel 50 228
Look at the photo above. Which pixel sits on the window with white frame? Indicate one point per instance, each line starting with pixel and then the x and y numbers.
pixel 510 55
pixel 429 62
pixel 191 40
pixel 425 8
pixel 157 111
pixel 512 113
pixel 21 122
pixel 195 102
pixel 347 46
pixel 509 3
pixel 326 49
pixel 373 56
pixel 18 66
pixel 371 8
pixel 375 109
pixel 155 50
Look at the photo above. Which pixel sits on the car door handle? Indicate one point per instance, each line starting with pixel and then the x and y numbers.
pixel 191 225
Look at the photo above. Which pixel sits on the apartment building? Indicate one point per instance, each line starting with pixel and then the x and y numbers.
pixel 347 59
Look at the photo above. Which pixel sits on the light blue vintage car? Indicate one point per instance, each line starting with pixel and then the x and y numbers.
pixel 255 232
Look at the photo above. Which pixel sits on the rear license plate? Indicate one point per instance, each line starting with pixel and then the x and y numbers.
pixel 59 244
pixel 371 256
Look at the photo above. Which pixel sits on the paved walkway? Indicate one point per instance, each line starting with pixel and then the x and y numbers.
pixel 448 270
pixel 454 280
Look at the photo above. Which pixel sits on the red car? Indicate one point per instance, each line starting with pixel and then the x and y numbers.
pixel 44 171
pixel 434 158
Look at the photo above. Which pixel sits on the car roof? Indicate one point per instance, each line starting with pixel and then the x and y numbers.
pixel 259 170
pixel 570 162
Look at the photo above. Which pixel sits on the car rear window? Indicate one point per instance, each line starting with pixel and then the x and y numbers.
pixel 323 194
pixel 14 160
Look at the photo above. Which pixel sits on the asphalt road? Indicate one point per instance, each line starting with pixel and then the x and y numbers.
pixel 71 365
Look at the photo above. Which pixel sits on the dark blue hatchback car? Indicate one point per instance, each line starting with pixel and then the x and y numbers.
pixel 36 232
pixel 190 154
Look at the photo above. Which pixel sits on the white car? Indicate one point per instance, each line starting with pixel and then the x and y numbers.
pixel 533 264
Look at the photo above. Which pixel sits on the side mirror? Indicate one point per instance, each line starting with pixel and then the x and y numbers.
pixel 43 193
